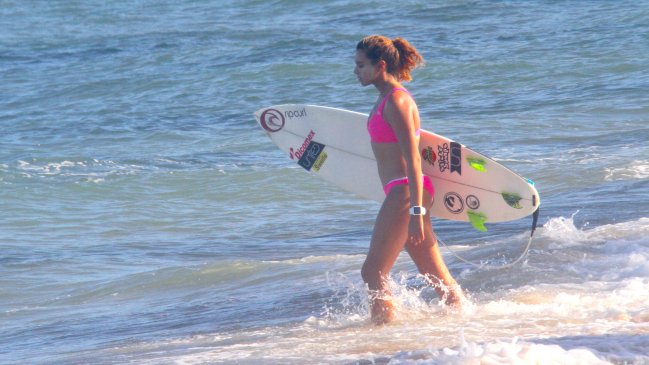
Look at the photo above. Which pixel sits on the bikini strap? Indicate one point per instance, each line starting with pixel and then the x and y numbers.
pixel 379 110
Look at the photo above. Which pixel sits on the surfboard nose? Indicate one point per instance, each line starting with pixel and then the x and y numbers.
pixel 257 113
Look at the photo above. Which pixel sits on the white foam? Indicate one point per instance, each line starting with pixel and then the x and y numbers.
pixel 540 324
pixel 499 353
pixel 93 171
pixel 564 233
pixel 345 259
pixel 94 180
pixel 597 313
pixel 638 169
pixel 51 168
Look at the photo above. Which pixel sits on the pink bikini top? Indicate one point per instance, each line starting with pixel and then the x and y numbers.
pixel 380 131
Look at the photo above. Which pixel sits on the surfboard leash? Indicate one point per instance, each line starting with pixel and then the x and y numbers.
pixel 535 218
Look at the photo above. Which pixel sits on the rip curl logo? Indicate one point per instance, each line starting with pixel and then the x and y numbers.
pixel 272 120
pixel 429 155
pixel 290 114
pixel 454 203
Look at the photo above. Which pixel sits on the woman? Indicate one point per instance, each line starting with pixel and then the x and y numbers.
pixel 403 218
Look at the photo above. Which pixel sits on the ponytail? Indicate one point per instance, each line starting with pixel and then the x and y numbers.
pixel 409 58
pixel 399 55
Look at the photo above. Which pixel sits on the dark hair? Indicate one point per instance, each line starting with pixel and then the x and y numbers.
pixel 399 55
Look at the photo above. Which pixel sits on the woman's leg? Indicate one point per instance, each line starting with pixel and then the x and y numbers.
pixel 389 236
pixel 430 262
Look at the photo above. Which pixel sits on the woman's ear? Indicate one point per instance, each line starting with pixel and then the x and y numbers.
pixel 382 65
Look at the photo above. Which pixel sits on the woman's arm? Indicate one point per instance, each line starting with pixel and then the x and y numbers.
pixel 401 112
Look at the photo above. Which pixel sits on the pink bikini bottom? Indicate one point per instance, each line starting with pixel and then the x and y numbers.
pixel 428 184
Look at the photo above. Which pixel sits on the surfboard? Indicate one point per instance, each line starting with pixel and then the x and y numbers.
pixel 334 145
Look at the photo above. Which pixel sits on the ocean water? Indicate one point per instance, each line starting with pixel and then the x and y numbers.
pixel 146 219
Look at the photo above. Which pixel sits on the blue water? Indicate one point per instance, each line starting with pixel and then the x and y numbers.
pixel 145 218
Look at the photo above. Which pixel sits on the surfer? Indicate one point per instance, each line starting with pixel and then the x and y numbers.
pixel 403 219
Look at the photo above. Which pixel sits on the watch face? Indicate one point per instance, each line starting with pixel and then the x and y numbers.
pixel 417 211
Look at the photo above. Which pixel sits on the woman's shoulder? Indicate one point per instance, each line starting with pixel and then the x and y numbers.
pixel 399 107
pixel 400 97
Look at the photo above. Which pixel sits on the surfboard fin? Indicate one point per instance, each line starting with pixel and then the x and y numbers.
pixel 513 200
pixel 478 164
pixel 477 220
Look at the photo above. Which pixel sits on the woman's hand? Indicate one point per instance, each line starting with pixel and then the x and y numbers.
pixel 416 229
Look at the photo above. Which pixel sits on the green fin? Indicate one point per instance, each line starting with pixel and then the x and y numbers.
pixel 477 163
pixel 513 200
pixel 477 220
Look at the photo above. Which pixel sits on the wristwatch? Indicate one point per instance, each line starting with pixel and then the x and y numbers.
pixel 417 210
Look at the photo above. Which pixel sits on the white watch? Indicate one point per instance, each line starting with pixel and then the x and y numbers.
pixel 417 210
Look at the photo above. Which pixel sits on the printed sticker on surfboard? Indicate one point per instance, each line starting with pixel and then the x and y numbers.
pixel 334 145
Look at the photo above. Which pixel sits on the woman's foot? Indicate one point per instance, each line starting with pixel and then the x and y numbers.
pixel 454 297
pixel 450 295
pixel 383 311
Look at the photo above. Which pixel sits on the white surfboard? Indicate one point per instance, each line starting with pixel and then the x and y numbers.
pixel 334 145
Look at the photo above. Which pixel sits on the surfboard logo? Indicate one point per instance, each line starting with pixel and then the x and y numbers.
pixel 429 155
pixel 456 158
pixel 293 153
pixel 311 156
pixel 317 165
pixel 473 202
pixel 454 203
pixel 443 151
pixel 272 120
pixel 513 200
pixel 290 114
pixel 450 157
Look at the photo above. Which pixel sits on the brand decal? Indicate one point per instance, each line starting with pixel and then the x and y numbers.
pixel 311 155
pixel 272 120
pixel 472 202
pixel 290 114
pixel 513 200
pixel 319 161
pixel 456 158
pixel 297 154
pixel 443 152
pixel 454 202
pixel 429 155
pixel 450 157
